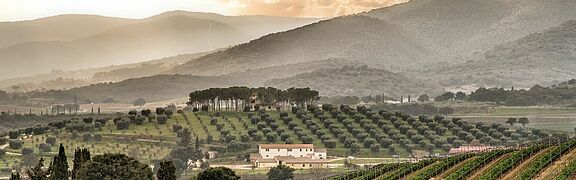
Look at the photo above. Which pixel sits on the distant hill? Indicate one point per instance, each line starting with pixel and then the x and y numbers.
pixel 159 36
pixel 417 38
pixel 355 38
pixel 544 58
pixel 154 88
pixel 82 77
pixel 357 81
pixel 56 28
pixel 458 28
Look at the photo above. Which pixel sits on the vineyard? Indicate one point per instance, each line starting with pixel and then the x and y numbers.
pixel 531 162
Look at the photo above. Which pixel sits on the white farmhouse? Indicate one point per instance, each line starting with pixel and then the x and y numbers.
pixel 293 155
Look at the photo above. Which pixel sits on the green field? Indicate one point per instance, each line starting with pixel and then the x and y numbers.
pixel 410 136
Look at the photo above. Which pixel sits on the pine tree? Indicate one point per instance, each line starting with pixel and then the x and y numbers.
pixel 60 166
pixel 80 156
pixel 167 171
pixel 15 176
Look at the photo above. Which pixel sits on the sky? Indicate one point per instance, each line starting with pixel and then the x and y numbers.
pixel 16 10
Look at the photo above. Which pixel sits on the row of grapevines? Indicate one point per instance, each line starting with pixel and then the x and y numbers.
pixel 357 173
pixel 474 164
pixel 568 171
pixel 401 172
pixel 375 172
pixel 546 159
pixel 514 159
pixel 441 166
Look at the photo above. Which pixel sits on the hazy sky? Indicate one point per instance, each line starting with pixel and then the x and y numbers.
pixel 13 10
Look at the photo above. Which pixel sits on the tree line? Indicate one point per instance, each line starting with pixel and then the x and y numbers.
pixel 245 99
pixel 562 93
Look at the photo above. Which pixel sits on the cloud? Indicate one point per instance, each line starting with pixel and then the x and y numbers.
pixel 306 8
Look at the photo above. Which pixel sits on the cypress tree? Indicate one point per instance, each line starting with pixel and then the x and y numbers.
pixel 80 156
pixel 15 176
pixel 60 165
pixel 197 143
pixel 167 171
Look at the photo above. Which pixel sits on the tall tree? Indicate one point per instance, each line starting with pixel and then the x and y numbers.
pixel 167 171
pixel 80 156
pixel 60 166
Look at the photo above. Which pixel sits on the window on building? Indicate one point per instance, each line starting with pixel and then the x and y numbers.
pixel 300 150
pixel 301 156
pixel 290 150
pixel 266 155
pixel 267 149
pixel 278 149
pixel 303 165
pixel 310 165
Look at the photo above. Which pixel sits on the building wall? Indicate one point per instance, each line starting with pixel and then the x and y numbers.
pixel 320 155
pixel 267 165
pixel 305 165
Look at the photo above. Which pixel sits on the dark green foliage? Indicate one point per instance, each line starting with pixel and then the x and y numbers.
pixel 445 97
pixel 27 151
pixel 162 119
pixel 59 166
pixel 219 173
pixel 185 137
pixel 44 147
pixel 280 172
pixel 167 171
pixel 80 156
pixel 122 125
pixel 114 166
pixel 15 144
pixel 37 172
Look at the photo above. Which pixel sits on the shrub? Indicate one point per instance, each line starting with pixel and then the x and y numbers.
pixel 15 144
pixel 121 125
pixel 375 147
pixel 27 151
pixel 97 137
pixel 162 119
pixel 14 134
pixel 51 140
pixel 44 147
pixel 87 137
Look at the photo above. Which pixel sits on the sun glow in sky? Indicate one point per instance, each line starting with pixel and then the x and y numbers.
pixel 14 10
